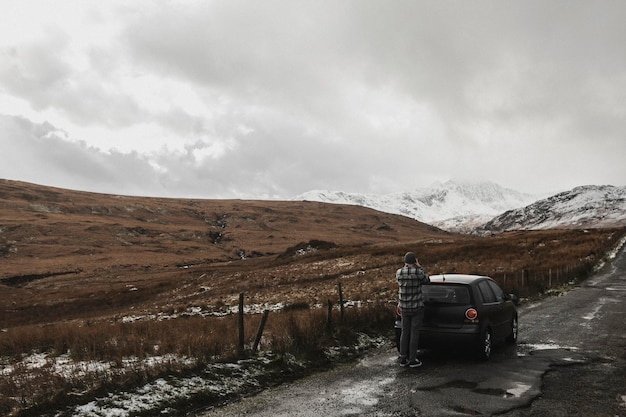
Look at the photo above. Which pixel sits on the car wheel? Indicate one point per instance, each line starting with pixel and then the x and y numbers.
pixel 484 344
pixel 512 338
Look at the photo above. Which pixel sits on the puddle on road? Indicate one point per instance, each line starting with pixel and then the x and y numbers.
pixel 516 391
pixel 459 383
pixel 494 392
pixel 467 411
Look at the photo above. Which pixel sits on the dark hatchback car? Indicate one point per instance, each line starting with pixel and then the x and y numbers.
pixel 468 311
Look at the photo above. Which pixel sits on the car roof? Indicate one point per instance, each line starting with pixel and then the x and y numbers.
pixel 456 278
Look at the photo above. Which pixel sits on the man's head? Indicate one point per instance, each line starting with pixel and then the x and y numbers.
pixel 410 258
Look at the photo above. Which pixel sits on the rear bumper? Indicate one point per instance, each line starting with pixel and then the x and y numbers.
pixel 436 336
pixel 449 337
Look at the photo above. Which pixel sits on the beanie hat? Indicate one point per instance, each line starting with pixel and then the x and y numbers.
pixel 410 258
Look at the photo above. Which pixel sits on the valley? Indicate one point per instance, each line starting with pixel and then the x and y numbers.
pixel 105 278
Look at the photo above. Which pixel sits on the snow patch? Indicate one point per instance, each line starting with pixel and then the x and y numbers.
pixel 548 346
pixel 452 205
pixel 519 389
pixel 364 393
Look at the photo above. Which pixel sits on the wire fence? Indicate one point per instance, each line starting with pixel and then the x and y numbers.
pixel 529 282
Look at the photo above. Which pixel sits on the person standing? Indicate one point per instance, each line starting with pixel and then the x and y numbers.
pixel 410 279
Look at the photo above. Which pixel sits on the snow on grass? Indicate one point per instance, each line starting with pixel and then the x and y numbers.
pixel 223 311
pixel 610 255
pixel 150 397
pixel 202 312
pixel 219 381
pixel 64 366
pixel 213 385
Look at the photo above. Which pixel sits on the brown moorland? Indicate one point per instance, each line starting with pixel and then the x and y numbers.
pixel 95 274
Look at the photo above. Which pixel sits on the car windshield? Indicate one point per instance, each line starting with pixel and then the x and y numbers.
pixel 449 294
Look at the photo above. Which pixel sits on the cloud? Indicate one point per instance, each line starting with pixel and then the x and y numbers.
pixel 41 153
pixel 272 99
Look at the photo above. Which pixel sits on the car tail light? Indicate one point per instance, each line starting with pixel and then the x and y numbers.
pixel 471 314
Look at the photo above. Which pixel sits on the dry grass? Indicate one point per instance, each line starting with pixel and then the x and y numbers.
pixel 77 267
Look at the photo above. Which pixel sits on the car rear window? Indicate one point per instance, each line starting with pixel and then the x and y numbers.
pixel 449 294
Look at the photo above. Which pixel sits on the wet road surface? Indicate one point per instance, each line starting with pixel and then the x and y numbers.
pixel 570 360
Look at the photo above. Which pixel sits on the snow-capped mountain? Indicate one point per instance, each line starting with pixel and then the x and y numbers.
pixel 452 206
pixel 582 207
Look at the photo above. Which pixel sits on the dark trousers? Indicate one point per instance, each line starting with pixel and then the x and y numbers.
pixel 409 340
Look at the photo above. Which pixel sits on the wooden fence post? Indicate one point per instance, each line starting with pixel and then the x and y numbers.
pixel 259 333
pixel 329 318
pixel 340 300
pixel 550 278
pixel 241 336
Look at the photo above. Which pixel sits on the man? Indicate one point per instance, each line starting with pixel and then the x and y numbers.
pixel 410 299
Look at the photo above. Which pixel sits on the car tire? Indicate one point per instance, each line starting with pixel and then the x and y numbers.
pixel 485 344
pixel 512 338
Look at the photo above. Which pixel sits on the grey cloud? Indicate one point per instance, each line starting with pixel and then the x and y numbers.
pixel 272 164
pixel 42 74
pixel 302 56
pixel 35 70
pixel 40 153
pixel 348 95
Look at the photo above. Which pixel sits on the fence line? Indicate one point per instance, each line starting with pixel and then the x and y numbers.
pixel 523 282
pixel 529 282
pixel 241 341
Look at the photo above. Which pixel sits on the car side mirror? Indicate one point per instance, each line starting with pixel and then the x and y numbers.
pixel 513 298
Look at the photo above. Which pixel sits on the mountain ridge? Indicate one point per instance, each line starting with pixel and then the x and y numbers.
pixel 486 207
pixel 453 206
pixel 588 206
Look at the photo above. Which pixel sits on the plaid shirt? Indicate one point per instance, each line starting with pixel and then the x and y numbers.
pixel 410 279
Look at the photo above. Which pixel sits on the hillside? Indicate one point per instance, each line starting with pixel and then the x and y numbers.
pixel 68 254
pixel 100 293
pixel 54 239
pixel 582 207
pixel 84 231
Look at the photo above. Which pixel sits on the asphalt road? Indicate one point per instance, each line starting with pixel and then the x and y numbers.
pixel 570 360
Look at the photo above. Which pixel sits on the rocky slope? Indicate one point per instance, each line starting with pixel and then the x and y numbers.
pixel 589 206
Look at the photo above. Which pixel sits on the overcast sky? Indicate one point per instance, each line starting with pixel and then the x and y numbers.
pixel 270 99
